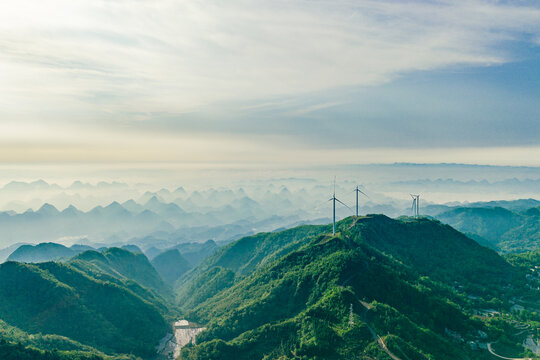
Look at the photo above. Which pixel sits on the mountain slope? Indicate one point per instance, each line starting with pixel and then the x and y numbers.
pixel 170 265
pixel 316 296
pixel 41 253
pixel 499 228
pixel 4 253
pixel 241 257
pixel 123 264
pixel 197 252
pixel 53 298
pixel 435 250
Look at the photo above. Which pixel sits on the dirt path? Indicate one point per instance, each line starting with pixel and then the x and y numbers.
pixel 502 357
pixel 379 339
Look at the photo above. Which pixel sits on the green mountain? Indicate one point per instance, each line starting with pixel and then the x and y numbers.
pixel 499 228
pixel 122 264
pixel 4 253
pixel 170 265
pixel 41 253
pixel 55 298
pixel 197 252
pixel 304 294
pixel 17 344
pixel 241 257
pixel 11 351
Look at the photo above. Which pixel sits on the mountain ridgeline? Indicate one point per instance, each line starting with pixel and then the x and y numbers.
pixel 113 302
pixel 45 252
pixel 380 288
pixel 171 265
pixel 304 294
pixel 505 230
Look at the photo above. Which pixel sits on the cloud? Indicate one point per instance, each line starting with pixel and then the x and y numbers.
pixel 215 67
pixel 171 54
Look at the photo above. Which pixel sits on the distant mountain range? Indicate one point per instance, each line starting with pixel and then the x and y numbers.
pixel 126 222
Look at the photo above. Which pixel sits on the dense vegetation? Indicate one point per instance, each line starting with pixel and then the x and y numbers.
pixel 420 285
pixel 41 253
pixel 124 264
pixel 197 252
pixel 170 265
pixel 499 228
pixel 306 295
pixel 9 351
pixel 55 298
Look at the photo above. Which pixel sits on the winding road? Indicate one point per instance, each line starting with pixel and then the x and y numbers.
pixel 502 357
pixel 379 339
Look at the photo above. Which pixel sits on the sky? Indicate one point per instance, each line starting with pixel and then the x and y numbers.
pixel 271 83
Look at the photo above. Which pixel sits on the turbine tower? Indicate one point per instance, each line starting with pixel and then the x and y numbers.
pixel 334 199
pixel 357 190
pixel 415 205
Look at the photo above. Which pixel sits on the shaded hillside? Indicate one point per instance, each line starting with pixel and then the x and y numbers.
pixel 170 265
pixel 434 249
pixel 123 264
pixel 53 298
pixel 11 351
pixel 4 253
pixel 497 227
pixel 244 255
pixel 240 257
pixel 41 253
pixel 197 252
pixel 290 294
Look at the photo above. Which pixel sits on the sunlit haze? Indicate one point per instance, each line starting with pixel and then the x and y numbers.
pixel 281 83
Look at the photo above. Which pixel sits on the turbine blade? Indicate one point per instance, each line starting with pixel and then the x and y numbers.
pixel 342 203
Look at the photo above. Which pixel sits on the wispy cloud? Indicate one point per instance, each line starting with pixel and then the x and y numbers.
pixel 96 62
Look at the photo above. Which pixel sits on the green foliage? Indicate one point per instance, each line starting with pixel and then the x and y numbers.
pixel 498 228
pixel 435 250
pixel 204 286
pixel 291 297
pixel 123 264
pixel 245 255
pixel 16 351
pixel 170 265
pixel 41 252
pixel 53 298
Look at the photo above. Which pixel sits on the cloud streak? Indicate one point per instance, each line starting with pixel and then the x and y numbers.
pixel 131 63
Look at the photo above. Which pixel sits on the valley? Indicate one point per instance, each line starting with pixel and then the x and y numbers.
pixel 184 333
pixel 269 180
pixel 380 288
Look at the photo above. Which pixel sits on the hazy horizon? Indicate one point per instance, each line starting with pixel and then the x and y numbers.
pixel 270 83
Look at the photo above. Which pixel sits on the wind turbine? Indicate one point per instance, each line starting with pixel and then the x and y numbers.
pixel 357 190
pixel 334 199
pixel 415 205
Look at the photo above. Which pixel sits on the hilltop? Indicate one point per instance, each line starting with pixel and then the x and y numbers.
pixel 304 294
pixel 42 252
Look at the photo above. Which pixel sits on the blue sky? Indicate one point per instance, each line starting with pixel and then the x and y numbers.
pixel 270 82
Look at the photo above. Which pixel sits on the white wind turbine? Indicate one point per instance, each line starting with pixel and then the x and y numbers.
pixel 415 205
pixel 334 199
pixel 357 190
